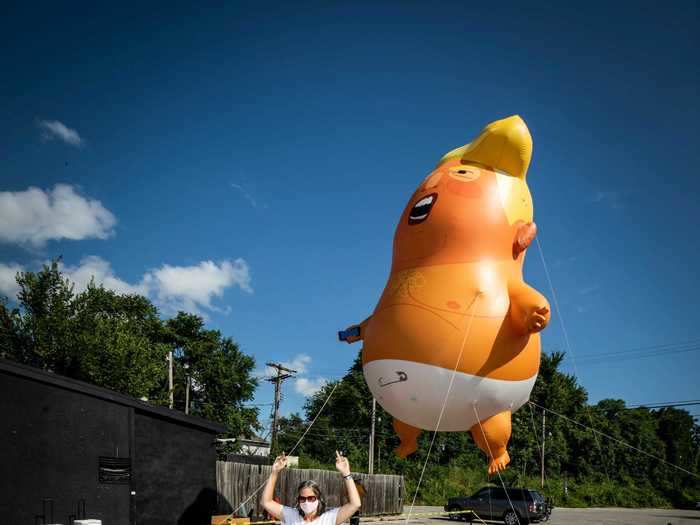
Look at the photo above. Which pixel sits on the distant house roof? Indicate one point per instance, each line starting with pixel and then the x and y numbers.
pixel 42 376
pixel 255 441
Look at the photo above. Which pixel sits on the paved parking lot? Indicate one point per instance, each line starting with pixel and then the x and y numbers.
pixel 561 516
pixel 620 516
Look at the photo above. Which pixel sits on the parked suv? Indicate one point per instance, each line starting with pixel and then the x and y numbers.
pixel 492 503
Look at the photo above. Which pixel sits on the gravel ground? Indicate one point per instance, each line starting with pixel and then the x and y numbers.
pixel 604 516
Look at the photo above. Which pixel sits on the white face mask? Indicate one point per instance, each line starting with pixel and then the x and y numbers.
pixel 308 507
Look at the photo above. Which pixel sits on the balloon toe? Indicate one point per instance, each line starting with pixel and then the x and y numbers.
pixel 499 463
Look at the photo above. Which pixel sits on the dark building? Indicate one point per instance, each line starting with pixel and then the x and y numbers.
pixel 66 444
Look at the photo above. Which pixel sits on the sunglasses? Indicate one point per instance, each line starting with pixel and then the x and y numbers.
pixel 310 499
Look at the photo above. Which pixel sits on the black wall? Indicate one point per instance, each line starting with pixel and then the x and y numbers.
pixel 50 441
pixel 177 469
pixel 53 431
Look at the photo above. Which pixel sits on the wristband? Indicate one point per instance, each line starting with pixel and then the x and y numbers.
pixel 349 476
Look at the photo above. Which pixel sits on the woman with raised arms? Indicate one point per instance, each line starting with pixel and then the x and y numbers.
pixel 310 504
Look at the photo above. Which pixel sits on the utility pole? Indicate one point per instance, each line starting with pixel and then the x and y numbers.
pixel 379 450
pixel 277 380
pixel 188 382
pixel 543 438
pixel 170 378
pixel 187 396
pixel 371 438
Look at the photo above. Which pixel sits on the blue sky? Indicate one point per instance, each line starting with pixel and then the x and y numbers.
pixel 250 163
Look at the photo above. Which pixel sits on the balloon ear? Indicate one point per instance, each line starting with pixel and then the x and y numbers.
pixel 524 236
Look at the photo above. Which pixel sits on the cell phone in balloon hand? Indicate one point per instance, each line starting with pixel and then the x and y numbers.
pixel 344 335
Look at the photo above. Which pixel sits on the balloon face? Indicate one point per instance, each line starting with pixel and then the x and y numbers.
pixel 458 215
pixel 455 313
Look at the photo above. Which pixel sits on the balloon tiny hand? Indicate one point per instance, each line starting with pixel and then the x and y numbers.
pixel 280 463
pixel 538 319
pixel 342 464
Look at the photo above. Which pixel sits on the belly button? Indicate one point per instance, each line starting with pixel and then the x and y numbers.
pixel 453 305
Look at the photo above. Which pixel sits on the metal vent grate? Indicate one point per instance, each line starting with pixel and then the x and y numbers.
pixel 114 470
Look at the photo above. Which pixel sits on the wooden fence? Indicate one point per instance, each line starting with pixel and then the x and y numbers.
pixel 237 481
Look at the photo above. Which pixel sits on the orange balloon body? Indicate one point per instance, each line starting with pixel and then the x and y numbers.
pixel 455 315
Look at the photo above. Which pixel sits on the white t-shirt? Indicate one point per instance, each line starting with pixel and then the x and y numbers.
pixel 291 516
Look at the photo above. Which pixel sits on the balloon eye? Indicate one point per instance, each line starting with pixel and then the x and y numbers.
pixel 465 173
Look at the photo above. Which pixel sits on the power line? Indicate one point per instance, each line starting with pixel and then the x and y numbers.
pixel 616 439
pixel 642 352
pixel 657 346
pixel 669 404
pixel 617 359
pixel 565 333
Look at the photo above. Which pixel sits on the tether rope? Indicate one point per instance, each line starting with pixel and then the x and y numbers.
pixel 534 431
pixel 291 451
pixel 497 471
pixel 444 404
pixel 617 440
pixel 573 356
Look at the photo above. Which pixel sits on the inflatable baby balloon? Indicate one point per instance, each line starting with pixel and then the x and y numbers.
pixel 456 315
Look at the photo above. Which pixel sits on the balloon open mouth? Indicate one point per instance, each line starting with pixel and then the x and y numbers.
pixel 421 209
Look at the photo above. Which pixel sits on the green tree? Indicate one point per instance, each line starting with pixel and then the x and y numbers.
pixel 46 300
pixel 14 343
pixel 290 430
pixel 118 341
pixel 221 375
pixel 120 338
pixel 598 470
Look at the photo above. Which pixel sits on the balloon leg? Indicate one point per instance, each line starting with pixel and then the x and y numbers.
pixel 409 438
pixel 491 436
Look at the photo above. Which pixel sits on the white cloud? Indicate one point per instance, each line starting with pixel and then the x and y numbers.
pixel 587 290
pixel 302 385
pixel 309 387
pixel 193 287
pixel 8 284
pixel 245 194
pixel 261 373
pixel 95 267
pixel 611 198
pixel 35 216
pixel 53 129
pixel 299 363
pixel 189 288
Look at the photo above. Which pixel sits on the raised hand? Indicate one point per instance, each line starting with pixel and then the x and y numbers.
pixel 280 463
pixel 342 464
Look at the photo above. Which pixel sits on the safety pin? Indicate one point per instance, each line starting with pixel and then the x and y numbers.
pixel 402 377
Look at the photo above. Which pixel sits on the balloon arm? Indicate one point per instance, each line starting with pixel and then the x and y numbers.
pixel 529 310
pixel 355 332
